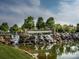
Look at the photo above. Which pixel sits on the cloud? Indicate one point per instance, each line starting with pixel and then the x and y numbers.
pixel 35 2
pixel 68 12
pixel 16 13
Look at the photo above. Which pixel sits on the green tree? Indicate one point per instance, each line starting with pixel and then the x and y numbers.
pixel 14 28
pixel 58 28
pixel 28 23
pixel 77 30
pixel 4 26
pixel 40 24
pixel 65 28
pixel 50 23
pixel 72 29
pixel 69 28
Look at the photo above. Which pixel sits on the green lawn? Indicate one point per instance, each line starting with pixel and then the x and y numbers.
pixel 7 52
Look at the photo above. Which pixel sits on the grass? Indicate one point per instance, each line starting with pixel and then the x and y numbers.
pixel 7 52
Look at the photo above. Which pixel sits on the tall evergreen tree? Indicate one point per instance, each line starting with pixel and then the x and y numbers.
pixel 77 30
pixel 50 23
pixel 40 24
pixel 65 28
pixel 14 28
pixel 4 26
pixel 28 23
pixel 58 28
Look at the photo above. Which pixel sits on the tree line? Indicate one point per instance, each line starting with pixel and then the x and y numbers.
pixel 29 24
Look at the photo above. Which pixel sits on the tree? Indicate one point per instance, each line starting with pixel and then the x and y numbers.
pixel 65 28
pixel 4 26
pixel 28 23
pixel 14 28
pixel 50 23
pixel 40 24
pixel 69 28
pixel 77 30
pixel 58 28
pixel 72 29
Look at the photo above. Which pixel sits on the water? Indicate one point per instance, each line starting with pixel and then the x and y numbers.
pixel 69 50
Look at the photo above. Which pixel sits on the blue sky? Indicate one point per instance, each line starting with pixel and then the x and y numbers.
pixel 15 11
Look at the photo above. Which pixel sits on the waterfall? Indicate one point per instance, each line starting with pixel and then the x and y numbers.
pixel 41 37
pixel 15 40
pixel 49 38
pixel 36 38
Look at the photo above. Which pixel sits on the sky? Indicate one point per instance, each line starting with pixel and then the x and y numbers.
pixel 63 11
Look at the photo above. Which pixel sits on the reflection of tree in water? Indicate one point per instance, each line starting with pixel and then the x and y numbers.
pixel 71 48
pixel 41 52
pixel 41 55
pixel 61 49
pixel 53 52
pixel 57 49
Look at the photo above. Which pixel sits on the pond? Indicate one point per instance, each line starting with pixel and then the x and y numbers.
pixel 69 50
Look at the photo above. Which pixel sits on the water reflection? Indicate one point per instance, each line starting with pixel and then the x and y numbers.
pixel 56 51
